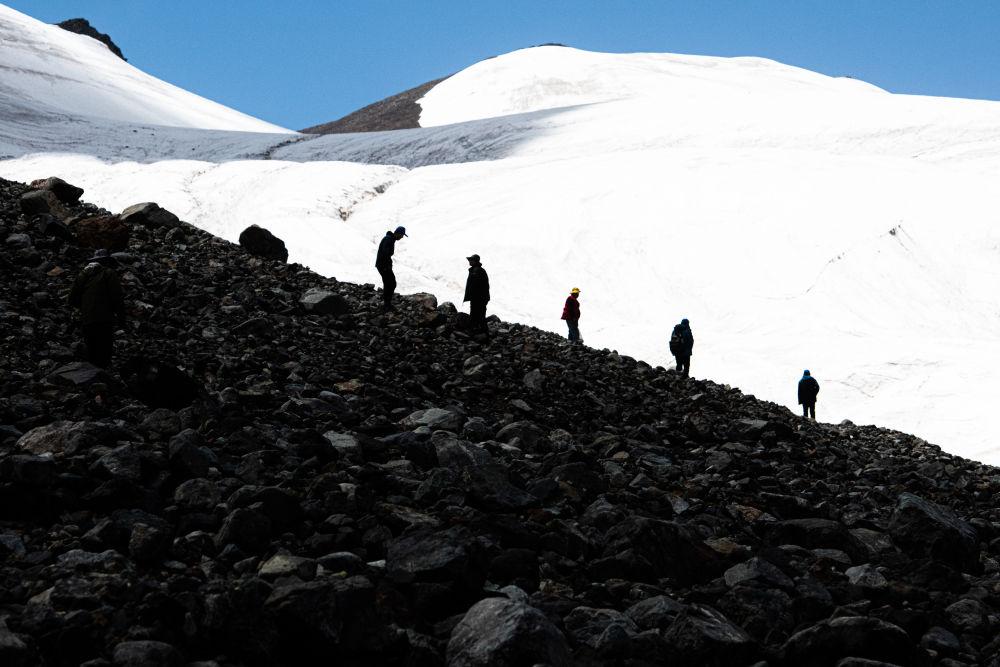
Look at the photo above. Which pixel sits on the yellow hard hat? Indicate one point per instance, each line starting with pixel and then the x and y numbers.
pixel 575 290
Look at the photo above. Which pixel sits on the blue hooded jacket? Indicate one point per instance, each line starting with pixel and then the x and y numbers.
pixel 808 389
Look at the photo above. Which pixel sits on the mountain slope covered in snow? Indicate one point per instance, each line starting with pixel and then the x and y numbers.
pixel 52 78
pixel 799 220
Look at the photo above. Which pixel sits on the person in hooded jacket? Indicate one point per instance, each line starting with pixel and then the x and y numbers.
pixel 681 346
pixel 571 313
pixel 808 389
pixel 383 263
pixel 477 293
pixel 97 293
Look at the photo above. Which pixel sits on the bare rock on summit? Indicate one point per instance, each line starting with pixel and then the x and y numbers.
pixel 82 27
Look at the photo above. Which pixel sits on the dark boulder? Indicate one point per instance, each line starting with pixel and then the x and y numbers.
pixel 64 192
pixel 498 632
pixel 925 529
pixel 262 243
pixel 149 214
pixel 703 636
pixel 823 644
pixel 324 302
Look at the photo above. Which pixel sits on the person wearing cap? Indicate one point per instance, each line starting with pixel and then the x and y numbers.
pixel 808 389
pixel 681 346
pixel 477 293
pixel 383 262
pixel 97 293
pixel 571 313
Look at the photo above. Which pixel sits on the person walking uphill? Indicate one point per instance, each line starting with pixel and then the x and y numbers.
pixel 97 293
pixel 681 346
pixel 383 262
pixel 477 293
pixel 571 313
pixel 808 389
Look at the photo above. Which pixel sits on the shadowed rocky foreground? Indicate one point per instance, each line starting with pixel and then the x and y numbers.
pixel 274 473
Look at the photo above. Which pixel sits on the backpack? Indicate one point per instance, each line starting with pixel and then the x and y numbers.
pixel 676 340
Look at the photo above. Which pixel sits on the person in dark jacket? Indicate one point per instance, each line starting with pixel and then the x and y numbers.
pixel 571 313
pixel 97 293
pixel 681 346
pixel 383 262
pixel 808 389
pixel 477 293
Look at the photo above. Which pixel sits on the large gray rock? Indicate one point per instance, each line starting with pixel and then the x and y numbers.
pixel 704 636
pixel 66 437
pixel 437 419
pixel 39 202
pixel 63 191
pixel 149 214
pixel 925 529
pixel 324 302
pixel 604 630
pixel 498 632
pixel 426 555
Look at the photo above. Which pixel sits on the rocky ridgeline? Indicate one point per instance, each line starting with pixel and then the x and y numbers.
pixel 274 473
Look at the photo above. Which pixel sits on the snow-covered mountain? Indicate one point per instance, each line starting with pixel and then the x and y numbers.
pixel 61 82
pixel 799 220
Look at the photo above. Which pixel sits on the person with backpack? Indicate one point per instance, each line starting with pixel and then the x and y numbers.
pixel 571 313
pixel 383 262
pixel 97 293
pixel 477 293
pixel 808 389
pixel 681 346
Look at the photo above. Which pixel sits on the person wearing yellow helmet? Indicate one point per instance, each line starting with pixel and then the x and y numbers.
pixel 571 313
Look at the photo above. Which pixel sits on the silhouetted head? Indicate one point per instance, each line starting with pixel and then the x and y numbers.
pixel 685 322
pixel 575 291
pixel 806 374
pixel 473 259
pixel 400 232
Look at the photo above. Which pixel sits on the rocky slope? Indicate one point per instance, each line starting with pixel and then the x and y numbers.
pixel 83 27
pixel 273 473
pixel 397 112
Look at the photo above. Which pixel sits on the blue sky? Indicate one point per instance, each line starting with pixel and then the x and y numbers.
pixel 302 62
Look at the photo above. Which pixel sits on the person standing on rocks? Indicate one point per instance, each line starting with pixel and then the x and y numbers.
pixel 383 262
pixel 97 293
pixel 681 346
pixel 571 313
pixel 477 293
pixel 808 389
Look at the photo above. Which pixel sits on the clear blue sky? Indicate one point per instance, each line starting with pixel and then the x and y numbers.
pixel 302 62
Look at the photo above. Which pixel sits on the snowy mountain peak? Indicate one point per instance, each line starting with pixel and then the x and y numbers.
pixel 51 72
pixel 551 77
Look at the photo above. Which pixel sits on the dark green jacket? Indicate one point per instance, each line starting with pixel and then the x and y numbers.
pixel 97 292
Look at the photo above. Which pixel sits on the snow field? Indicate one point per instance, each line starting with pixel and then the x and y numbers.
pixel 799 220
